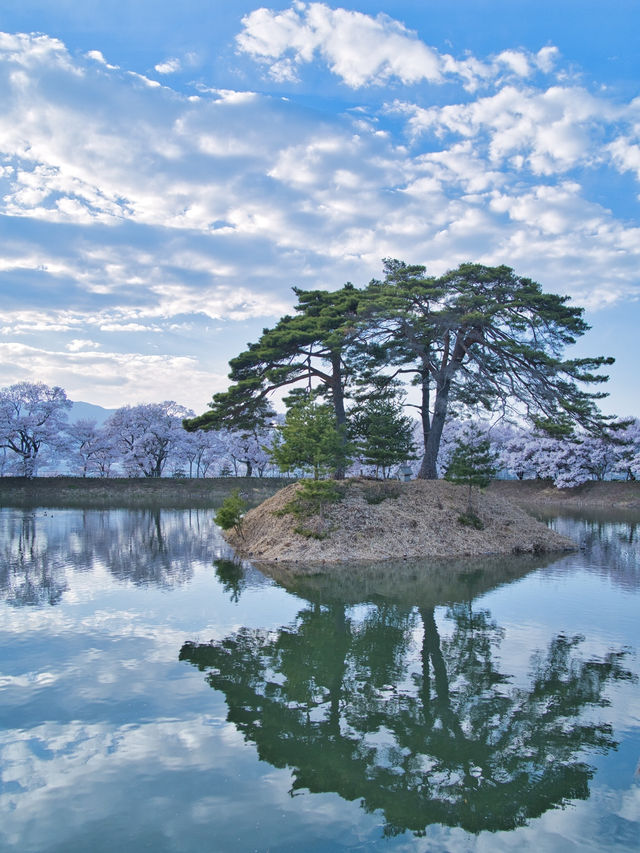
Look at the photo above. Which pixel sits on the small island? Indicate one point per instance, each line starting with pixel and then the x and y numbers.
pixel 365 520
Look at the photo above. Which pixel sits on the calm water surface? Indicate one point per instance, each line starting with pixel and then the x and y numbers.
pixel 156 695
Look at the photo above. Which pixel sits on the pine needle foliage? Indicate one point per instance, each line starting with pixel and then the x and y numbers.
pixel 231 512
pixel 472 463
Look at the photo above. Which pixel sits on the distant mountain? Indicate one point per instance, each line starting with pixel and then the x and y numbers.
pixel 89 412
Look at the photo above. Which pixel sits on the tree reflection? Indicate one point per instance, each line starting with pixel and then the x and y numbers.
pixel 232 576
pixel 27 574
pixel 610 540
pixel 141 547
pixel 371 703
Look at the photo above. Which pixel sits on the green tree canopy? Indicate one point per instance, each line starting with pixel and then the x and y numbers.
pixel 310 439
pixel 310 347
pixel 472 462
pixel 482 336
pixel 383 435
pixel 475 337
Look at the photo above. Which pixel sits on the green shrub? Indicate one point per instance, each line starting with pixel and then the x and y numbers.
pixel 471 519
pixel 231 512
pixel 308 533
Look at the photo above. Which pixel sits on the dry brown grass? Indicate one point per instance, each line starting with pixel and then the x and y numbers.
pixel 422 520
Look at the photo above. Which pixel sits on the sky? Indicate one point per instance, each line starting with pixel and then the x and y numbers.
pixel 169 171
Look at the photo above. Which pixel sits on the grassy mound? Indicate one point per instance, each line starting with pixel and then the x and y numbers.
pixel 411 520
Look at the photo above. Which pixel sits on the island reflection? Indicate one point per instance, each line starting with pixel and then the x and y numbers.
pixel 362 696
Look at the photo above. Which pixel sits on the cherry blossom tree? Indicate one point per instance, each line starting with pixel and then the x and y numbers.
pixel 601 455
pixel 529 453
pixel 249 449
pixel 146 436
pixel 628 452
pixel 200 449
pixel 84 441
pixel 33 416
pixel 566 462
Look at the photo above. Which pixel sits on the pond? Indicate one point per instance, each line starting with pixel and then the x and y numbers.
pixel 157 695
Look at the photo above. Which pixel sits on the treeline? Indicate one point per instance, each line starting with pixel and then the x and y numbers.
pixel 148 440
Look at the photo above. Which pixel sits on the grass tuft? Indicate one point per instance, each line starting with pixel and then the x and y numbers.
pixel 471 519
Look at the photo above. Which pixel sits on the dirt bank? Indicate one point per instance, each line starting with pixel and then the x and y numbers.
pixel 98 493
pixel 416 519
pixel 122 491
pixel 533 494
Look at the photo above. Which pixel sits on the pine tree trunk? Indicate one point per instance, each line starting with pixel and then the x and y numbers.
pixel 428 469
pixel 337 396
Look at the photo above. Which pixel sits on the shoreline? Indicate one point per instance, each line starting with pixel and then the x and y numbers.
pixel 182 493
pixel 133 492
pixel 596 495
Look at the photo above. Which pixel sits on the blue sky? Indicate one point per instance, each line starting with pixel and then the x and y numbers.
pixel 168 171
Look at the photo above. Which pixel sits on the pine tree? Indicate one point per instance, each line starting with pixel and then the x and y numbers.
pixel 472 463
pixel 482 337
pixel 310 440
pixel 383 436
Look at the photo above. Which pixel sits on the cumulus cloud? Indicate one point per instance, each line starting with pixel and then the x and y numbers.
pixel 111 379
pixel 550 130
pixel 169 66
pixel 179 235
pixel 626 155
pixel 363 50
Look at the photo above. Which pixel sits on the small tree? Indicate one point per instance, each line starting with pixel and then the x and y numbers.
pixel 472 463
pixel 310 440
pixel 383 436
pixel 231 512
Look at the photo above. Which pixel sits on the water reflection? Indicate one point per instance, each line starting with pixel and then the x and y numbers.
pixel 142 547
pixel 613 546
pixel 373 701
pixel 233 576
pixel 410 582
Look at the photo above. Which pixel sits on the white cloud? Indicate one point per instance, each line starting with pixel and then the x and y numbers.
pixel 363 50
pixel 207 211
pixel 112 379
pixel 515 60
pixel 358 48
pixel 169 66
pixel 546 58
pixel 31 51
pixel 222 302
pixel 97 56
pixel 626 155
pixel 551 130
pixel 80 344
